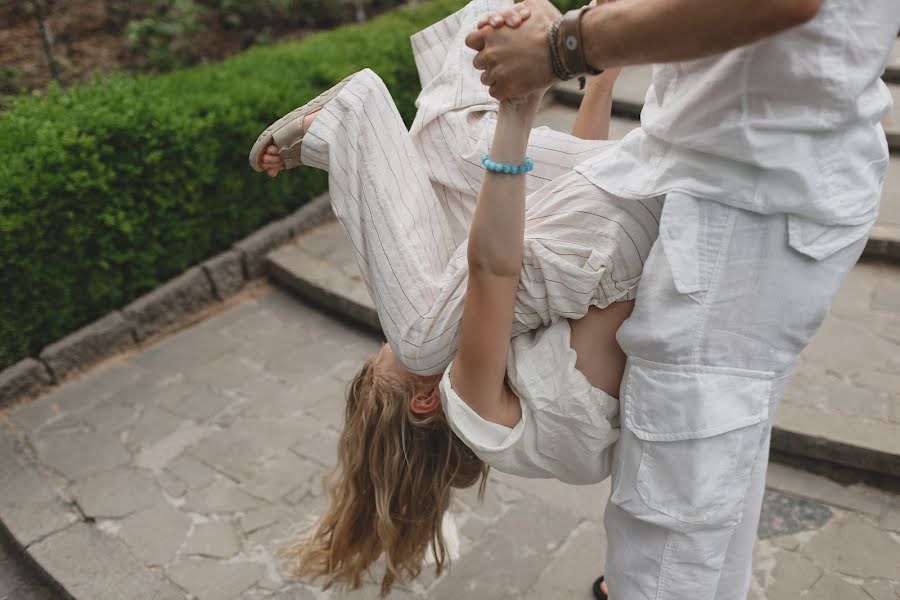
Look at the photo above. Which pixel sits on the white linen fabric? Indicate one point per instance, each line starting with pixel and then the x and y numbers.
pixel 398 194
pixel 771 158
pixel 788 125
pixel 406 200
pixel 567 427
pixel 724 308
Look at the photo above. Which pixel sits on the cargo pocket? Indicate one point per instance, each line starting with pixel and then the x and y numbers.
pixel 693 233
pixel 700 431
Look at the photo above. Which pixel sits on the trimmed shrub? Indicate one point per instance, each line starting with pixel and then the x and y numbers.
pixel 113 187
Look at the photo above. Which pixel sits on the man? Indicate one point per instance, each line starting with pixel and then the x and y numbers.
pixel 761 129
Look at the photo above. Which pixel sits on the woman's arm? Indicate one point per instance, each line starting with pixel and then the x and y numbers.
pixel 496 239
pixel 592 122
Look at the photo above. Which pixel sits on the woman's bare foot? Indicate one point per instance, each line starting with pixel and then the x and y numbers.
pixel 271 161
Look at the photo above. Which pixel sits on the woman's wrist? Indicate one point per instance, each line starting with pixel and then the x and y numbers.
pixel 511 134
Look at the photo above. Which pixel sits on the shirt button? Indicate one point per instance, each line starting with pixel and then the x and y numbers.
pixel 673 233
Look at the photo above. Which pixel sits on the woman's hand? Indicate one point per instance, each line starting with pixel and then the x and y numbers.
pixel 516 61
pixel 605 80
pixel 508 17
pixel 511 17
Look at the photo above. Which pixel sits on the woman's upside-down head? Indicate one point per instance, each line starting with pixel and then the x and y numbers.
pixel 398 461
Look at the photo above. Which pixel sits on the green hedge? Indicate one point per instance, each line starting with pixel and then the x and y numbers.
pixel 111 188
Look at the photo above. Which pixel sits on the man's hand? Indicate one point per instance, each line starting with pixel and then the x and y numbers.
pixel 516 62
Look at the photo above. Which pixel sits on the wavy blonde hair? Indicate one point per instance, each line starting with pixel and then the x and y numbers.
pixel 389 491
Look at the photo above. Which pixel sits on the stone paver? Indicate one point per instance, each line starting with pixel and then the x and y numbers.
pixel 115 493
pixel 92 565
pixel 854 544
pixel 213 580
pixel 154 535
pixel 199 496
pixel 213 539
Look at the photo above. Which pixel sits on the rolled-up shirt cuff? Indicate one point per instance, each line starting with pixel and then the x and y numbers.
pixel 476 432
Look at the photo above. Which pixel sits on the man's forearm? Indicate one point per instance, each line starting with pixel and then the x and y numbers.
pixel 628 32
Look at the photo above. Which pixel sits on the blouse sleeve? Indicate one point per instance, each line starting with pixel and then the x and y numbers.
pixel 567 428
pixel 512 451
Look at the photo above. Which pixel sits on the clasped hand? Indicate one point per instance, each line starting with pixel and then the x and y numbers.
pixel 512 48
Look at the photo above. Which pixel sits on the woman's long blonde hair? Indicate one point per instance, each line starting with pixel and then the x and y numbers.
pixel 389 491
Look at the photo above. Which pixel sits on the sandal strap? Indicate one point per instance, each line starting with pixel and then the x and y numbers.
pixel 288 141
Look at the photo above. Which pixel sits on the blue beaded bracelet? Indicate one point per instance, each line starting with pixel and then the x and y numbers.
pixel 496 167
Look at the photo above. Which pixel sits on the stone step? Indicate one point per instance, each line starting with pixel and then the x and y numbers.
pixel 892 72
pixel 631 88
pixel 320 267
pixel 884 241
pixel 843 406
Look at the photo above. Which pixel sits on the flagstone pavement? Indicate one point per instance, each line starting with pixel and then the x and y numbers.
pixel 192 461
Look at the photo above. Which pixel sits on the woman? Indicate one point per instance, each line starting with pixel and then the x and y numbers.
pixel 541 405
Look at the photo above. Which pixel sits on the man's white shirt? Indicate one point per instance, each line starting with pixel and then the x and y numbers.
pixel 790 124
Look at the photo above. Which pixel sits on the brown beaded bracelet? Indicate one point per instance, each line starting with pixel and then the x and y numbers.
pixel 556 63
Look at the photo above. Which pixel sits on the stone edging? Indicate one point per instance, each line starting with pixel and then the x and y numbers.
pixel 883 244
pixel 891 75
pixel 158 311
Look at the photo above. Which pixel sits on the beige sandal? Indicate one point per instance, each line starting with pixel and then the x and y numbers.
pixel 287 132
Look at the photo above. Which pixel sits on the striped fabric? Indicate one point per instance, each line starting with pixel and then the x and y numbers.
pixel 406 198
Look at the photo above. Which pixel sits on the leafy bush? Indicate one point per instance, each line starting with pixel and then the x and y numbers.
pixel 9 82
pixel 163 37
pixel 113 187
pixel 163 33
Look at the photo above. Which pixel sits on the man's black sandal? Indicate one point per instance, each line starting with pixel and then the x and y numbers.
pixel 598 592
